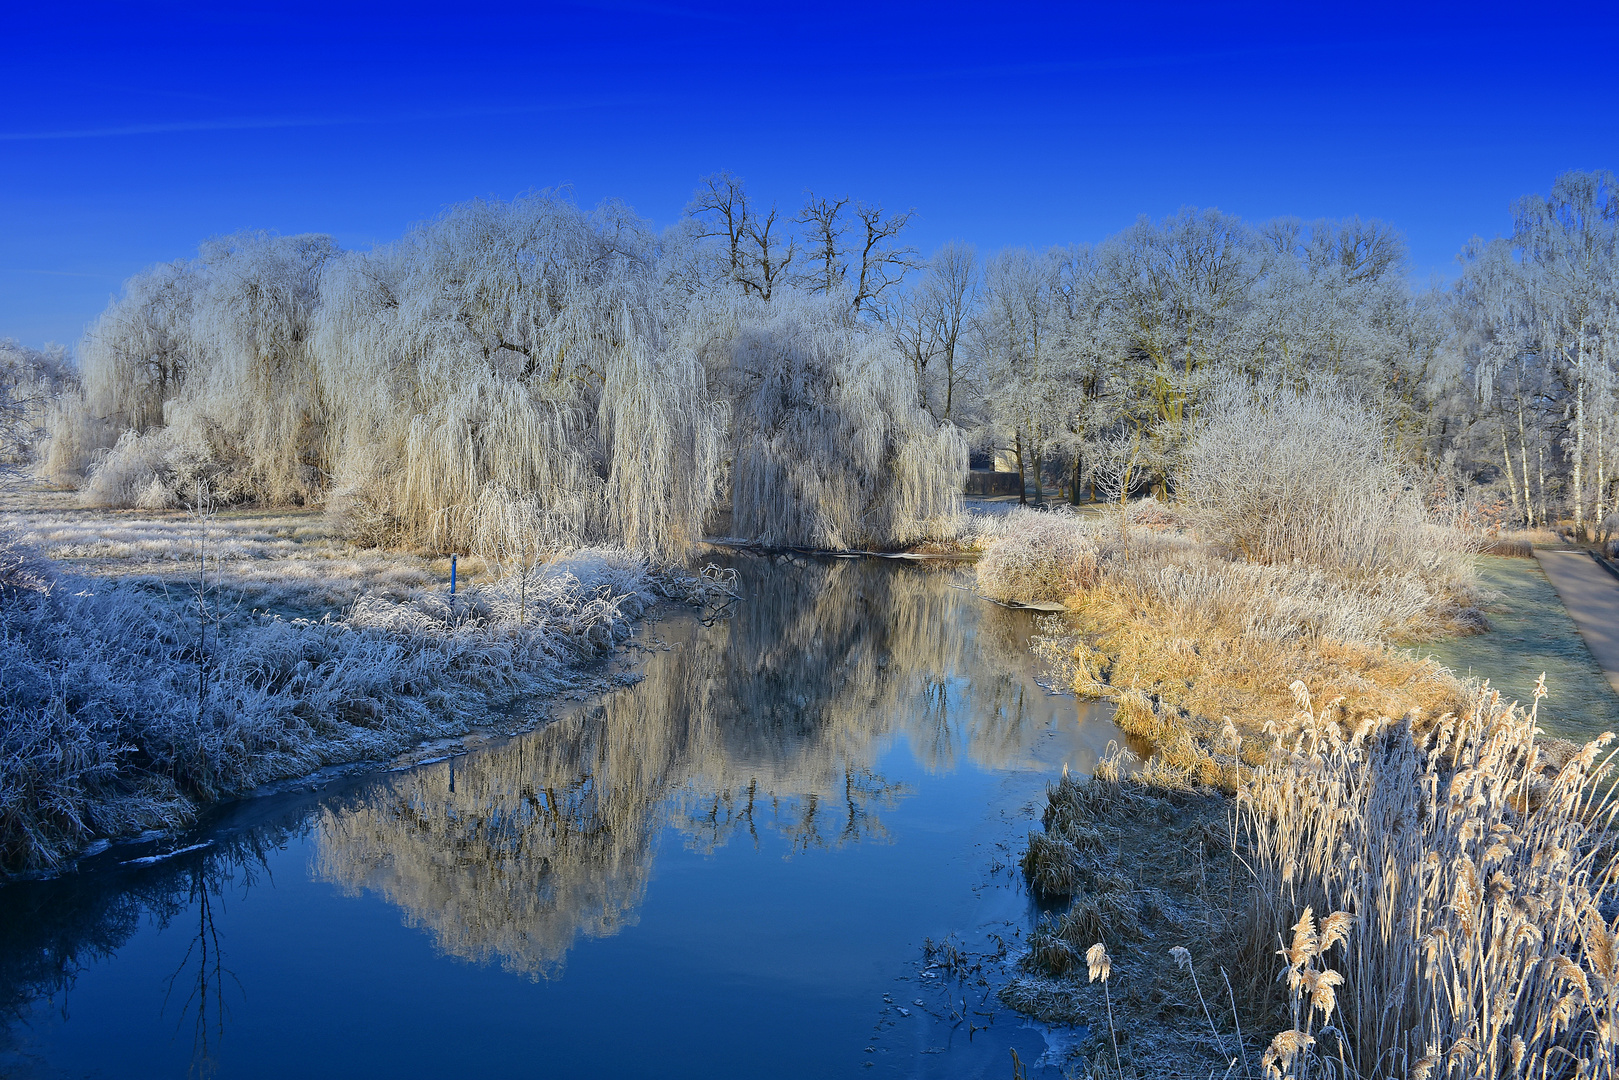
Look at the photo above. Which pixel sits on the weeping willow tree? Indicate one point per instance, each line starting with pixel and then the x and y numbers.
pixel 830 448
pixel 504 376
pixel 204 367
pixel 512 377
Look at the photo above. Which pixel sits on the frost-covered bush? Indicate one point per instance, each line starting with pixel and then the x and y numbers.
pixel 1278 475
pixel 122 708
pixel 132 473
pixel 74 435
pixel 1041 556
pixel 1153 514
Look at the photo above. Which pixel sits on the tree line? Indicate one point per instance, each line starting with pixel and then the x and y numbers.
pixel 531 372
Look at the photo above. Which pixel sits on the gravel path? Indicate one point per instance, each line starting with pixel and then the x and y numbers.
pixel 1591 595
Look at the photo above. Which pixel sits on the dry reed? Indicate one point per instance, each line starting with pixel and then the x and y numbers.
pixel 1473 884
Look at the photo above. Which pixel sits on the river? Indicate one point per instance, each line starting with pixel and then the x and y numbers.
pixel 732 867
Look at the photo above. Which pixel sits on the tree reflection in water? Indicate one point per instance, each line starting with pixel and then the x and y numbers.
pixel 772 720
pixel 51 931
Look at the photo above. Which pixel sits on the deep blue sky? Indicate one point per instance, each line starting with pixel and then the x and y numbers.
pixel 129 134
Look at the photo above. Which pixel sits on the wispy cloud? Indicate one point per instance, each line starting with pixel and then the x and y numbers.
pixel 51 273
pixel 260 123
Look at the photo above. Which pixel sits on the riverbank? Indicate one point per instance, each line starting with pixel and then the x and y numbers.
pixel 1199 651
pixel 1311 778
pixel 157 663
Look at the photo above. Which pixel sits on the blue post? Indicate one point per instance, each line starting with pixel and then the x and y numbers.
pixel 452 575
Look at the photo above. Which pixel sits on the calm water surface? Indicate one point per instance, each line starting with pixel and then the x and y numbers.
pixel 729 869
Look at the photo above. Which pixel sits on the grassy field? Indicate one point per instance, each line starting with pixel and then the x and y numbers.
pixel 1530 634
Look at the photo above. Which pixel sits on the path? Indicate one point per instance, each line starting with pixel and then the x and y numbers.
pixel 1591 596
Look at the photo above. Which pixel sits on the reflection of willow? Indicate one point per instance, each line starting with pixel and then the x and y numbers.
pixel 771 722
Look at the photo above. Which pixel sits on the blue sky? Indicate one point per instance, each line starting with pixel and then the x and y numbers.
pixel 130 133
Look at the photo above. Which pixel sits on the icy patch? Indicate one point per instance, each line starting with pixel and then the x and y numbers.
pixel 148 860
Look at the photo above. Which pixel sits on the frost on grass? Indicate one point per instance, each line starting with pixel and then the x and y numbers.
pixel 1132 870
pixel 125 707
pixel 1038 556
pixel 1441 890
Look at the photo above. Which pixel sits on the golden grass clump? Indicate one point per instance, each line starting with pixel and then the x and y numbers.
pixel 1188 642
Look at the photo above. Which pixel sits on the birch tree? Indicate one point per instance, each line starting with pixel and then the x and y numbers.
pixel 1568 240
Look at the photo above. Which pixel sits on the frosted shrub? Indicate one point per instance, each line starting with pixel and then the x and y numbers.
pixel 1041 556
pixel 73 434
pixel 1277 476
pixel 132 473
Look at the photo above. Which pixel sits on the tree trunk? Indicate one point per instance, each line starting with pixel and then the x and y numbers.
pixel 1079 471
pixel 1035 461
pixel 1540 454
pixel 1512 484
pixel 1602 477
pixel 1022 484
pixel 1579 456
pixel 1523 457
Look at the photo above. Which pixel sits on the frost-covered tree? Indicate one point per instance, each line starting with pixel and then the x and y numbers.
pixel 1018 332
pixel 1534 333
pixel 930 324
pixel 830 446
pixel 135 356
pixel 515 378
pixel 30 379
pixel 529 343
pixel 1569 243
pixel 872 267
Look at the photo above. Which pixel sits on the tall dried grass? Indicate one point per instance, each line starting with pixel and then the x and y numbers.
pixel 1474 884
pixel 1037 556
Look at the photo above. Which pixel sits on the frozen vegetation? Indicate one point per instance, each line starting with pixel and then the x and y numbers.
pixel 129 701
pixel 1439 879
pixel 512 377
